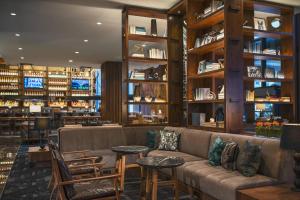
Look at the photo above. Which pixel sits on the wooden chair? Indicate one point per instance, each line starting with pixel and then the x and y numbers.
pixel 100 188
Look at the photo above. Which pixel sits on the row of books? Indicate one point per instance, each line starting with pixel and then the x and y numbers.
pixel 157 53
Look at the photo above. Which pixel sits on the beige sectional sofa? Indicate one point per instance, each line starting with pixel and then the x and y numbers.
pixel 194 145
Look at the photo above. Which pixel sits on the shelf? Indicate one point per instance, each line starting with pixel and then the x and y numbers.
pixel 268 79
pixel 266 56
pixel 217 129
pixel 273 102
pixel 147 81
pixel 146 124
pixel 266 34
pixel 148 103
pixel 211 47
pixel 148 60
pixel 212 19
pixel 147 38
pixel 214 73
pixel 206 101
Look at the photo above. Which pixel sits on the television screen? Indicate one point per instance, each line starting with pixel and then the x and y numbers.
pixel 80 84
pixel 33 82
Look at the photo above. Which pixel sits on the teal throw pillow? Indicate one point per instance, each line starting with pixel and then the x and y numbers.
pixel 214 155
pixel 249 160
pixel 152 139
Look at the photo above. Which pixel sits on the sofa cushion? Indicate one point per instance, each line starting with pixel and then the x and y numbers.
pixel 169 140
pixel 215 152
pixel 229 155
pixel 152 139
pixel 217 181
pixel 185 156
pixel 195 142
pixel 250 159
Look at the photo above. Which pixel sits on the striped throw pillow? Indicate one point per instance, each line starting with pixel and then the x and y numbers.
pixel 229 156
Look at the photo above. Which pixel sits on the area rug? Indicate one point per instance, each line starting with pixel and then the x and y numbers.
pixel 27 182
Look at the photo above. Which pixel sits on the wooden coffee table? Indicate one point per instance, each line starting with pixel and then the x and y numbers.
pixel 35 154
pixel 276 192
pixel 151 166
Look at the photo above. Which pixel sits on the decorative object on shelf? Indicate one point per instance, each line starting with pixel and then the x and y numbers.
pixel 153 27
pixel 247 25
pixel 139 30
pixel 148 99
pixel 290 140
pixel 274 23
pixel 219 114
pixel 220 34
pixel 213 7
pixel 221 62
pixel 217 5
pixel 221 91
pixel 197 43
pixel 280 75
pixel 137 99
pixel 271 52
pixel 155 73
pixel 208 38
pixel 254 72
pixel 138 51
pixel 249 95
pixel 260 24
pixel 269 73
pixel 201 66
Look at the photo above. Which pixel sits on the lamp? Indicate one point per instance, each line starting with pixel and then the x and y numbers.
pixel 290 139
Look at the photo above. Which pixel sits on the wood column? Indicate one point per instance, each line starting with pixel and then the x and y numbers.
pixel 111 73
pixel 297 59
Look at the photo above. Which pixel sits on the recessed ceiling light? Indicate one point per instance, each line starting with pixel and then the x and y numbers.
pixel 22 58
pixel 85 40
pixel 20 48
pixel 143 45
pixel 13 14
pixel 99 23
pixel 70 61
pixel 77 52
pixel 17 34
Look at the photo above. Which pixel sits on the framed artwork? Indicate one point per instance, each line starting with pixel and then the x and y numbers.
pixel 269 73
pixel 254 72
pixel 260 24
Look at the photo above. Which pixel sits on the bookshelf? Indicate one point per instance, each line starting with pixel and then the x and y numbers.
pixel 148 62
pixel 269 68
pixel 214 65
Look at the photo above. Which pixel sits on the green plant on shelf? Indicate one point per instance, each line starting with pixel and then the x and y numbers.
pixel 269 131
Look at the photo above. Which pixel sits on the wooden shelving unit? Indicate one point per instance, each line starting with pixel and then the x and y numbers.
pixel 229 75
pixel 283 37
pixel 153 83
pixel 56 90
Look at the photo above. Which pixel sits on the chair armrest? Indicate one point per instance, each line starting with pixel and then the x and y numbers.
pixel 98 165
pixel 93 159
pixel 75 152
pixel 114 176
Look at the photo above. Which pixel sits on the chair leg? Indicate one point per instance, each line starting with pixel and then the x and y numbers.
pixel 117 189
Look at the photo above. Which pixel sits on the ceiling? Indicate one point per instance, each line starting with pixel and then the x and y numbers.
pixel 53 30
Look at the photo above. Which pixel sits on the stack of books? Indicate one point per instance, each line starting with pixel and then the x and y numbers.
pixel 157 53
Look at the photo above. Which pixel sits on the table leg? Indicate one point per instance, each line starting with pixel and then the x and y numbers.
pixel 154 184
pixel 123 166
pixel 176 190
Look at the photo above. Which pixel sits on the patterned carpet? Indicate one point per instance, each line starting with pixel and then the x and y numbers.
pixel 28 182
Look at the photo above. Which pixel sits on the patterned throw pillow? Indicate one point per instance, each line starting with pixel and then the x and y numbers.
pixel 248 163
pixel 169 140
pixel 152 139
pixel 214 155
pixel 229 155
